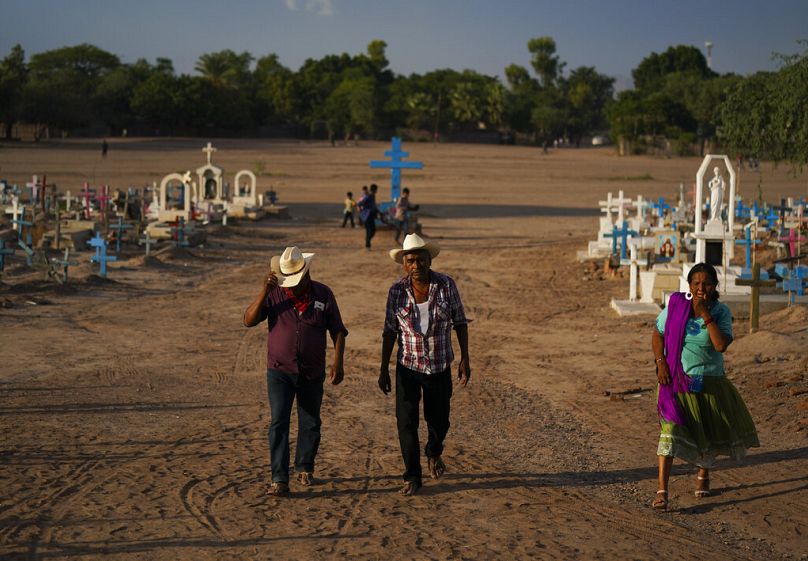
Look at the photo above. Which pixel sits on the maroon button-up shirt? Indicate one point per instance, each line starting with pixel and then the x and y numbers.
pixel 296 342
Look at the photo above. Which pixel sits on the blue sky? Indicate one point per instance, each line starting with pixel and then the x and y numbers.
pixel 422 35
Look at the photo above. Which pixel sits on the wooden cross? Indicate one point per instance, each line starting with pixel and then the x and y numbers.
pixel 3 252
pixel 754 301
pixel 209 149
pixel 102 199
pixel 748 241
pixel 56 264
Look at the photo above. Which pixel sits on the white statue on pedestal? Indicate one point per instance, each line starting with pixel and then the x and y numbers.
pixel 717 188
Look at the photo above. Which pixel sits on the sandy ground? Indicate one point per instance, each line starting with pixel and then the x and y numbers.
pixel 133 418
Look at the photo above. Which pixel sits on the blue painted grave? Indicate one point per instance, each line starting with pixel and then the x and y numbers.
pixel 119 228
pixel 622 233
pixel 101 257
pixel 395 164
pixel 25 240
pixel 748 242
pixel 661 206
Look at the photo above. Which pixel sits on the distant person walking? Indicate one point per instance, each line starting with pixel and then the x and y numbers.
pixel 402 213
pixel 299 313
pixel 350 208
pixel 104 148
pixel 423 307
pixel 368 212
pixel 701 414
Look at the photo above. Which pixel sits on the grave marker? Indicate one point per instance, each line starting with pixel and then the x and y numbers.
pixel 101 257
pixel 119 228
pixel 3 252
pixel 754 301
pixel 395 164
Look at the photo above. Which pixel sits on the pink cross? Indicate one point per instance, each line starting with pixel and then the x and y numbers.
pixel 792 239
pixel 102 200
pixel 87 195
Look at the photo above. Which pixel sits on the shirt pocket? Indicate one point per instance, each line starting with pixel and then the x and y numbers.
pixel 443 313
pixel 313 317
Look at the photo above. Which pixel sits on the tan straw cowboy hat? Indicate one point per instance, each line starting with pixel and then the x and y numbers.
pixel 291 266
pixel 414 242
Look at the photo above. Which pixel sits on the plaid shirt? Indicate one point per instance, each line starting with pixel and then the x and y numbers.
pixel 430 352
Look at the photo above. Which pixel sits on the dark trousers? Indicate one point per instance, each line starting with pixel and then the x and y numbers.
pixel 370 230
pixel 283 388
pixel 437 390
pixel 348 215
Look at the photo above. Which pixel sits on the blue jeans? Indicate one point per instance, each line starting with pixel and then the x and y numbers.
pixel 283 388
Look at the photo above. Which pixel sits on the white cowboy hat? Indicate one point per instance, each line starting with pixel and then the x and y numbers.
pixel 292 266
pixel 414 242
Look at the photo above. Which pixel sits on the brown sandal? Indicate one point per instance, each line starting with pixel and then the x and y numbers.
pixel 661 501
pixel 278 489
pixel 305 478
pixel 705 492
pixel 410 488
pixel 436 467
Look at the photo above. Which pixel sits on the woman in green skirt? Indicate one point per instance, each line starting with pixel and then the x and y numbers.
pixel 701 414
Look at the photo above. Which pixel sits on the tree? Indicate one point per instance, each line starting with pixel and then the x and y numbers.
pixel 13 75
pixel 544 60
pixel 587 93
pixel 651 72
pixel 766 114
pixel 62 83
pixel 226 68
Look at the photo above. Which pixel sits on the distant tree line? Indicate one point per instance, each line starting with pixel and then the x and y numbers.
pixel 676 99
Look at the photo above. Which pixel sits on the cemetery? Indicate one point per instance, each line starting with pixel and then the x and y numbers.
pixel 163 408
pixel 662 241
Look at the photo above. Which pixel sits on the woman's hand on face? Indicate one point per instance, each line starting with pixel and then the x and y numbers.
pixel 700 307
pixel 663 374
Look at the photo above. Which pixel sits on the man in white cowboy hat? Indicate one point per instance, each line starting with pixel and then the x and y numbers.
pixel 422 309
pixel 299 313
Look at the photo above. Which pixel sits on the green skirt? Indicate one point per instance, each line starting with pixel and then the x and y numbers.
pixel 717 423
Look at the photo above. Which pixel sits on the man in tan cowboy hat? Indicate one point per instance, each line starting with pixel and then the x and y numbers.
pixel 422 308
pixel 299 312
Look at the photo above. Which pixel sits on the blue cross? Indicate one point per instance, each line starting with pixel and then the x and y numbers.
pixel 100 245
pixel 771 218
pixel 622 233
pixel 740 210
pixel 756 207
pixel 119 228
pixel 395 164
pixel 3 252
pixel 661 206
pixel 793 285
pixel 28 241
pixel 748 242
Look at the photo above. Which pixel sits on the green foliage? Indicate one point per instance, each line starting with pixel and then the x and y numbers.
pixel 767 114
pixel 684 59
pixel 13 74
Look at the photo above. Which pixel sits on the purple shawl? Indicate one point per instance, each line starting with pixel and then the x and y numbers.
pixel 678 314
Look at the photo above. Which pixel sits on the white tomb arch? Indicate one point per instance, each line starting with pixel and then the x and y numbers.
pixel 166 214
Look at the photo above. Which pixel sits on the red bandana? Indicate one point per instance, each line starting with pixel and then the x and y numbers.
pixel 301 302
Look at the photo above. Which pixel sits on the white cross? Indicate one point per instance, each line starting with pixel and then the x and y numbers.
pixel 68 199
pixel 210 150
pixel 15 211
pixel 34 186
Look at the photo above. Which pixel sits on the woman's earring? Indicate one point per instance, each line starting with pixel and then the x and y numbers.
pixel 688 295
